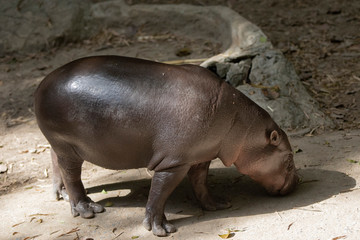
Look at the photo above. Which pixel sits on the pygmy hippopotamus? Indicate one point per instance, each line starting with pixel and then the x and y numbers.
pixel 123 113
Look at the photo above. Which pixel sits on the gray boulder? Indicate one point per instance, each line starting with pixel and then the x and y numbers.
pixel 254 67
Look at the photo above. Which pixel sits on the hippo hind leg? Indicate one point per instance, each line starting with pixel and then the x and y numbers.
pixel 67 183
pixel 198 177
pixel 58 184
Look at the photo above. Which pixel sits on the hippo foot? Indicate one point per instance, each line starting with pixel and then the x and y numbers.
pixel 60 193
pixel 159 225
pixel 86 209
pixel 212 204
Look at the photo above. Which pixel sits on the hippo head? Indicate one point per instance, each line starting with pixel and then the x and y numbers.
pixel 269 161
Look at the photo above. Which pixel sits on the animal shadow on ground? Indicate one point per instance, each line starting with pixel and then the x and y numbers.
pixel 247 197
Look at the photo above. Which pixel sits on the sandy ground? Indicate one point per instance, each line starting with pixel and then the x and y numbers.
pixel 325 205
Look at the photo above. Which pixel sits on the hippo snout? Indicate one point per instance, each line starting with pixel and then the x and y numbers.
pixel 290 184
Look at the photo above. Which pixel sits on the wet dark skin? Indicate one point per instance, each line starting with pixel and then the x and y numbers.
pixel 125 113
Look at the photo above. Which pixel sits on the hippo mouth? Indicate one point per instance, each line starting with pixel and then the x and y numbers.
pixel 290 183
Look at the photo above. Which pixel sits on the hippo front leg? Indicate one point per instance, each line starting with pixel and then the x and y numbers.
pixel 70 185
pixel 162 185
pixel 198 177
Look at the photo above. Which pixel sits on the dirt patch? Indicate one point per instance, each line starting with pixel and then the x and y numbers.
pixel 329 168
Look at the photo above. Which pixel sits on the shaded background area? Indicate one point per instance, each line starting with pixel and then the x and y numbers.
pixel 322 40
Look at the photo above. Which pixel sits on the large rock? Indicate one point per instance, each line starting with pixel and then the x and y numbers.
pixel 254 67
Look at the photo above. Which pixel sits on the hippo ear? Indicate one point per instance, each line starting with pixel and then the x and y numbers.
pixel 275 138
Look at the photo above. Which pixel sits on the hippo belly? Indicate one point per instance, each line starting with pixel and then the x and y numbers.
pixel 118 151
